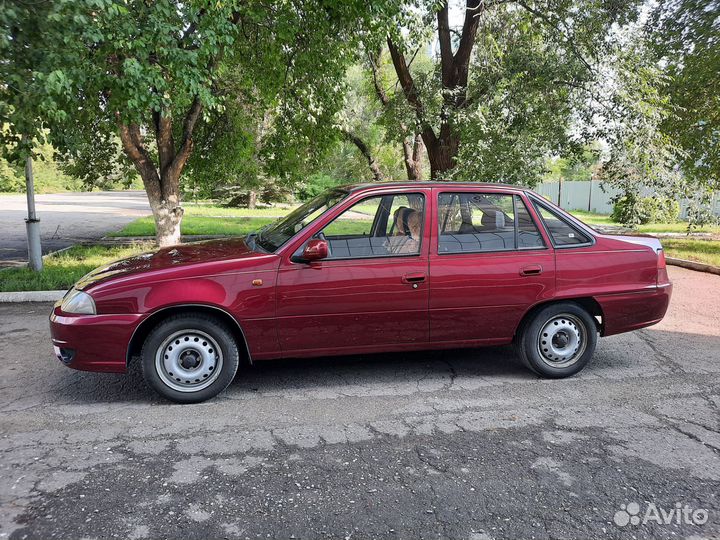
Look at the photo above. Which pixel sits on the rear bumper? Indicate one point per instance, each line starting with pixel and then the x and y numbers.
pixel 92 342
pixel 629 311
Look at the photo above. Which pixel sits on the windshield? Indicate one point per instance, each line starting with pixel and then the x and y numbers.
pixel 276 234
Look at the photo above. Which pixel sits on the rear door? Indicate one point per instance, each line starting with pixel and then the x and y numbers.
pixel 489 262
pixel 371 293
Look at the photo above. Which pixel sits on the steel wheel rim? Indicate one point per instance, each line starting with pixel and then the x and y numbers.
pixel 189 360
pixel 562 341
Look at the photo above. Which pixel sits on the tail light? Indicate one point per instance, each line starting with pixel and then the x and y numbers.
pixel 662 275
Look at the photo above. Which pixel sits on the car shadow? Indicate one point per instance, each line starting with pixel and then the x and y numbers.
pixel 644 353
pixel 383 371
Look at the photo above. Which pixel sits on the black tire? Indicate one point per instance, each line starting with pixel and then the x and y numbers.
pixel 198 337
pixel 569 321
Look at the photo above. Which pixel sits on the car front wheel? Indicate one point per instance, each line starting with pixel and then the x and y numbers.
pixel 558 341
pixel 189 358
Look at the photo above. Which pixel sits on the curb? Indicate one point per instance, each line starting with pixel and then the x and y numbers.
pixel 692 265
pixel 31 296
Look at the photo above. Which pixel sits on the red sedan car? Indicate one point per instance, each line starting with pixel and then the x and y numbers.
pixel 364 269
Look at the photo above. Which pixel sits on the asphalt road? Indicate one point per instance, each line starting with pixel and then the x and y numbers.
pixel 460 444
pixel 65 219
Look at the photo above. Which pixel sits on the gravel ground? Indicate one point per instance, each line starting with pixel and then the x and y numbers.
pixel 458 444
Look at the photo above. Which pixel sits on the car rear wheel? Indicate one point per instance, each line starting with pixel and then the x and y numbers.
pixel 558 341
pixel 189 358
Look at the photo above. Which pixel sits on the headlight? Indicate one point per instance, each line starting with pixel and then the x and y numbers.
pixel 78 302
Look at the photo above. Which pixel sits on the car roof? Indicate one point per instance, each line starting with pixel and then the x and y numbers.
pixel 429 184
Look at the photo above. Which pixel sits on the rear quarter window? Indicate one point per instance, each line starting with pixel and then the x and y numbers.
pixel 561 231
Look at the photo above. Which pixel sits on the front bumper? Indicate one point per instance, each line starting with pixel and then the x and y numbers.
pixel 92 342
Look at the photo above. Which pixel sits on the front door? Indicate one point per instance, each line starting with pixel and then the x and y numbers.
pixel 371 292
pixel 490 262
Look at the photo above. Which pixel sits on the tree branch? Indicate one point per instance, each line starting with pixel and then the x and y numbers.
pixel 410 91
pixel 555 26
pixel 374 60
pixel 365 151
pixel 446 55
pixel 164 139
pixel 183 153
pixel 461 59
pixel 133 145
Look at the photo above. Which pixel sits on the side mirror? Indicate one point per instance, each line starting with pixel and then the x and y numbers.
pixel 315 250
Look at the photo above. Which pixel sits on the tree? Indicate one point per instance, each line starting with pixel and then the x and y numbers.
pixel 641 154
pixel 465 101
pixel 395 115
pixel 684 35
pixel 147 72
pixel 582 167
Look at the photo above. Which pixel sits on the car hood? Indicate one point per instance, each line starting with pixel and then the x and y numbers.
pixel 208 251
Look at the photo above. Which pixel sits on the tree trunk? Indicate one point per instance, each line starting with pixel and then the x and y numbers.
pixel 442 153
pixel 167 224
pixel 165 205
pixel 162 181
pixel 252 199
pixel 412 156
pixel 442 147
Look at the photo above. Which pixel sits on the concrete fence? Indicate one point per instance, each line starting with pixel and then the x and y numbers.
pixel 593 196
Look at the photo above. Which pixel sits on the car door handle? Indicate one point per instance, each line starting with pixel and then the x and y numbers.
pixel 413 278
pixel 531 270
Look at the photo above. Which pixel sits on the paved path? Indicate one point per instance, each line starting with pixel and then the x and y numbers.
pixel 65 219
pixel 458 444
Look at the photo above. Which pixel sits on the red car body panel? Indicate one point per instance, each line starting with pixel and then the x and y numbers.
pixel 333 307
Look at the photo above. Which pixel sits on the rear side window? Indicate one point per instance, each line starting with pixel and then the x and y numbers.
pixel 477 222
pixel 561 231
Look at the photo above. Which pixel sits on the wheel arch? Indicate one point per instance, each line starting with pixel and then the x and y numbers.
pixel 145 327
pixel 588 303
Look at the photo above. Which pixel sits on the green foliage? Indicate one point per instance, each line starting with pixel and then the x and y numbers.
pixel 315 185
pixel 684 34
pixel 536 84
pixel 631 210
pixel 81 67
pixel 48 174
pixel 577 167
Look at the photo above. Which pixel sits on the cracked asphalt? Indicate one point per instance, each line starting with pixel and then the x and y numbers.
pixel 457 444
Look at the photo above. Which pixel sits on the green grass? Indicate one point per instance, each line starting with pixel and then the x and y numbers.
pixel 593 219
pixel 62 270
pixel 678 227
pixel 209 209
pixel 197 225
pixel 704 251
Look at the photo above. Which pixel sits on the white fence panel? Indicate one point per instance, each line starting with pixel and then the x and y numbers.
pixel 592 196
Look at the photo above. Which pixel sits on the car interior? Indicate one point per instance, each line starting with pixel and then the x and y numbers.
pixel 381 226
pixel 391 225
pixel 472 222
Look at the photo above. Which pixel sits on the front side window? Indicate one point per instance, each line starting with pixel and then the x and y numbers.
pixel 276 234
pixel 381 226
pixel 477 222
pixel 561 232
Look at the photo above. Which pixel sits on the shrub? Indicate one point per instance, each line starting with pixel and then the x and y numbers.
pixel 315 185
pixel 632 210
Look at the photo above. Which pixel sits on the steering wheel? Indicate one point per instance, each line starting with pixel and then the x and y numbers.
pixel 321 236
